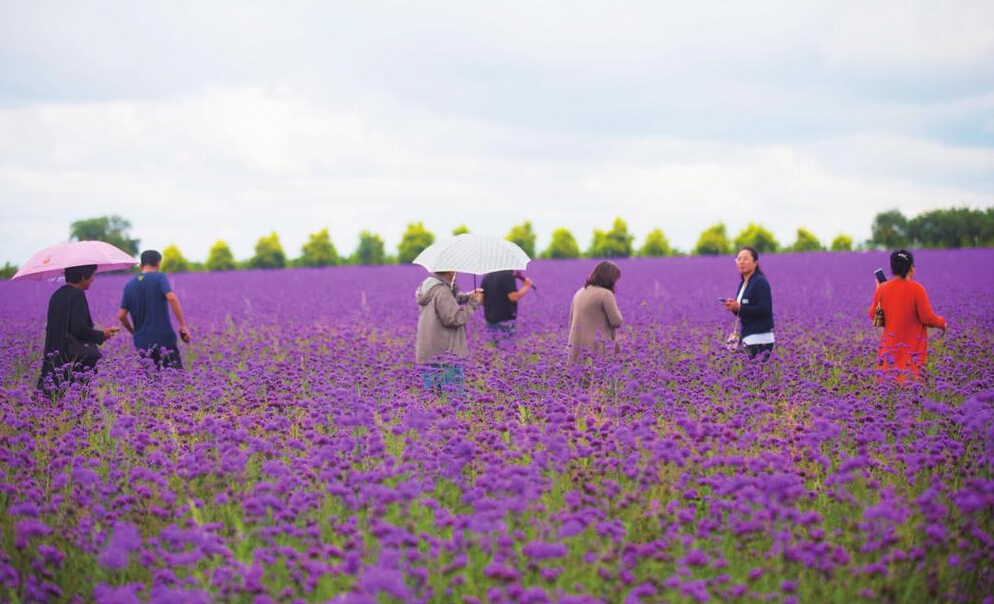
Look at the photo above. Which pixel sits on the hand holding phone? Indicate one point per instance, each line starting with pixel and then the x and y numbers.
pixel 879 274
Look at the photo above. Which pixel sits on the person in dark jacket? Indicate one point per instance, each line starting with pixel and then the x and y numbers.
pixel 753 304
pixel 69 315
pixel 500 301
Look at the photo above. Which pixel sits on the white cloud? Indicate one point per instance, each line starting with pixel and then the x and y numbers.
pixel 899 38
pixel 206 120
pixel 236 163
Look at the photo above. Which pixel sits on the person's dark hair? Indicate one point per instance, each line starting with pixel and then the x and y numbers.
pixel 151 258
pixel 755 258
pixel 605 275
pixel 76 274
pixel 901 262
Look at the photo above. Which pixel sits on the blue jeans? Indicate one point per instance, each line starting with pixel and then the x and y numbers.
pixel 502 330
pixel 438 375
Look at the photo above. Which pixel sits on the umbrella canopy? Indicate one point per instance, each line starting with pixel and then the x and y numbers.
pixel 471 253
pixel 52 261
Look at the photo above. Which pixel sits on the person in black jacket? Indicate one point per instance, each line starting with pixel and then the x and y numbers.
pixel 753 304
pixel 69 315
pixel 500 301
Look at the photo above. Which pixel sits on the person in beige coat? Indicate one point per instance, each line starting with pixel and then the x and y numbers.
pixel 594 316
pixel 442 317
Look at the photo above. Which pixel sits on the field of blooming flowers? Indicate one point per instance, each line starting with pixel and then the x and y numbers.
pixel 298 459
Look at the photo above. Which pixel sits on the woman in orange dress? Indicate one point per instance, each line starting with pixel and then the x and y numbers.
pixel 907 313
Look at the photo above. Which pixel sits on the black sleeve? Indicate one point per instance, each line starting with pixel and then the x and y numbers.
pixel 509 285
pixel 760 300
pixel 80 322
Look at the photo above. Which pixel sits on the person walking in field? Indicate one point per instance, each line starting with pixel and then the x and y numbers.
pixel 148 298
pixel 907 314
pixel 753 305
pixel 500 301
pixel 594 317
pixel 71 352
pixel 441 338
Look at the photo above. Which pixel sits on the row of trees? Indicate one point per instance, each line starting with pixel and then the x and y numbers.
pixel 616 242
pixel 715 240
pixel 957 227
pixel 951 228
pixel 948 228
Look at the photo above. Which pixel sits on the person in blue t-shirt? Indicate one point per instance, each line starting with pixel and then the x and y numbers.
pixel 146 298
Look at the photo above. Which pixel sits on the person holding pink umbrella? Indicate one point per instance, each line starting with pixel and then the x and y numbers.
pixel 71 342
pixel 71 352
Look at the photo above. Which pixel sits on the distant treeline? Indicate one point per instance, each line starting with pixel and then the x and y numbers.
pixel 951 228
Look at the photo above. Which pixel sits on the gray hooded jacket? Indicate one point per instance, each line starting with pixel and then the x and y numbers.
pixel 441 321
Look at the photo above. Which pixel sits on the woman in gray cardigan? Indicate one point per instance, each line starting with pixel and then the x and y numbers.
pixel 442 317
pixel 594 316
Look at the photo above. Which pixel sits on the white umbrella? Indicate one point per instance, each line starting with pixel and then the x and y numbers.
pixel 53 261
pixel 471 253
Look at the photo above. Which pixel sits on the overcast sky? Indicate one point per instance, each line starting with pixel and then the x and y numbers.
pixel 203 120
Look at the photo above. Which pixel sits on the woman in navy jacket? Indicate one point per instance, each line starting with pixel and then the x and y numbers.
pixel 753 304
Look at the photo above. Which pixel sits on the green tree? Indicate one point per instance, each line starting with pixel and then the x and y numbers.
pixel 842 243
pixel 889 230
pixel 758 238
pixel 656 244
pixel 415 239
pixel 220 258
pixel 615 243
pixel 806 242
pixel 112 229
pixel 951 228
pixel 713 241
pixel 524 236
pixel 563 245
pixel 987 237
pixel 8 270
pixel 370 250
pixel 268 253
pixel 462 229
pixel 173 261
pixel 318 251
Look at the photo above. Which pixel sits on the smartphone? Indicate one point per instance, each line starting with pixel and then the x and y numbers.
pixel 879 274
pixel 722 300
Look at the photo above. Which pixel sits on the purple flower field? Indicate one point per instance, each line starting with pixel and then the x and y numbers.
pixel 298 458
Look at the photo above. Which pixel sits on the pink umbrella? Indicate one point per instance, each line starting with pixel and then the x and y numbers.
pixel 52 261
